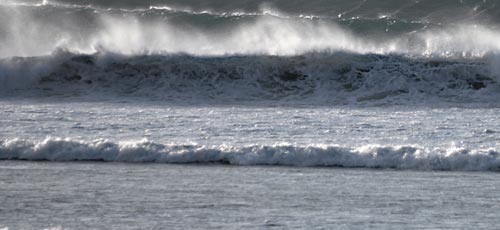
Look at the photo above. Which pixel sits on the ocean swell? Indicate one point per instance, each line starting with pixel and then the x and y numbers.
pixel 395 157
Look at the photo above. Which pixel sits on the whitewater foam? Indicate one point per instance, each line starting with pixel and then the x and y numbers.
pixel 397 157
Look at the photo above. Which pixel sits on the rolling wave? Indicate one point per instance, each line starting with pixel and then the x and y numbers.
pixel 395 157
pixel 315 77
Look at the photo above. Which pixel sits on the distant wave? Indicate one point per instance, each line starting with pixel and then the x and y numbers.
pixel 142 10
pixel 396 157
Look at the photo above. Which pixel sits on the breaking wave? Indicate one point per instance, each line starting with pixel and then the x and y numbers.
pixel 347 52
pixel 319 77
pixel 395 157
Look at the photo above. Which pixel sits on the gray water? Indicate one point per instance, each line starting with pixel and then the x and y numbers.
pixel 441 138
pixel 43 195
pixel 397 100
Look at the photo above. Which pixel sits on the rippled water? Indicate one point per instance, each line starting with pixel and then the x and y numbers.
pixel 155 196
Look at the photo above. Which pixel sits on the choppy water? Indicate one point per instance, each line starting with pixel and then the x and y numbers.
pixel 375 137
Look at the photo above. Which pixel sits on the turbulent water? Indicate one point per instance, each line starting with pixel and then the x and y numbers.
pixel 314 51
pixel 326 52
pixel 359 99
pixel 323 56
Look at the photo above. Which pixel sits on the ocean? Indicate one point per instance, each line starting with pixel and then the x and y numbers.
pixel 192 114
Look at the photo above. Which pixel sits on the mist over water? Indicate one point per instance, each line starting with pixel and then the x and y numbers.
pixel 418 28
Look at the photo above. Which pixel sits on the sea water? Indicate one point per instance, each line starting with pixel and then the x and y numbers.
pixel 44 195
pixel 166 114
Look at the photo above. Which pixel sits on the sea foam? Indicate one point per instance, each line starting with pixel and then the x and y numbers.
pixel 370 156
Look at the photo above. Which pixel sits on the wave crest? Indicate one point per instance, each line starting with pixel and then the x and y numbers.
pixel 30 31
pixel 396 157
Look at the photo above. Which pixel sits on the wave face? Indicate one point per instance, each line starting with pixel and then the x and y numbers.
pixel 395 157
pixel 314 78
pixel 326 51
